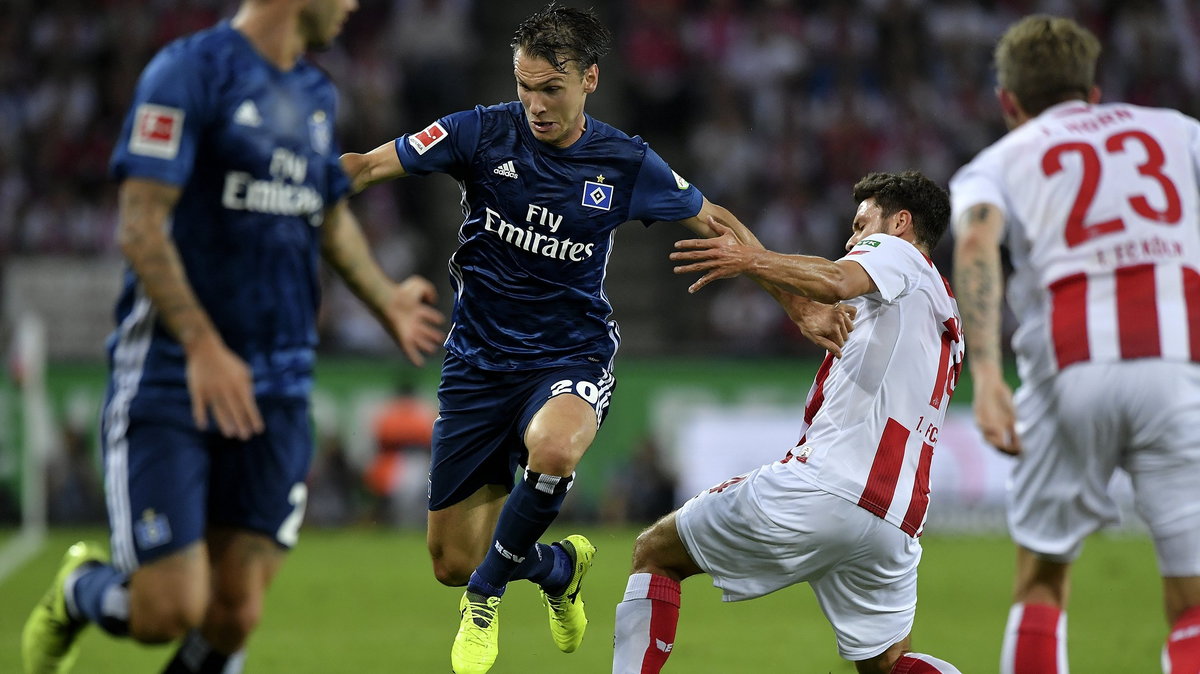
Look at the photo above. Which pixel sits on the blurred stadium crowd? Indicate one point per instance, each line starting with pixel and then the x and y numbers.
pixel 772 107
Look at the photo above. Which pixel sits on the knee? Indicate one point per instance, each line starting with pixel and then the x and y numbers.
pixel 1182 598
pixel 1040 580
pixel 646 557
pixel 450 568
pixel 881 664
pixel 233 618
pixel 557 442
pixel 885 661
pixel 163 617
pixel 553 457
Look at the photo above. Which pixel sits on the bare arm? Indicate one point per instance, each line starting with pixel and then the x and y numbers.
pixel 825 325
pixel 218 380
pixel 376 166
pixel 979 284
pixel 403 309
pixel 701 223
pixel 727 255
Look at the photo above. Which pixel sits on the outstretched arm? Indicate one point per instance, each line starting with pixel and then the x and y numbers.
pixel 825 325
pixel 979 283
pixel 403 309
pixel 725 256
pixel 376 166
pixel 217 379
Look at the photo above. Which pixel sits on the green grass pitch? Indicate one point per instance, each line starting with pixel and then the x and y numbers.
pixel 364 600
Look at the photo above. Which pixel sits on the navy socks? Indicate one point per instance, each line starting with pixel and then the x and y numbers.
pixel 515 552
pixel 98 593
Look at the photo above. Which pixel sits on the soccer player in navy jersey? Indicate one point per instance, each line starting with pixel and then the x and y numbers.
pixel 230 189
pixel 528 370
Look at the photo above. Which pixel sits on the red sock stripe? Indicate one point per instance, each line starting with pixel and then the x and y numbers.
pixel 1183 643
pixel 1190 616
pixel 905 665
pixel 910 664
pixel 664 589
pixel 664 618
pixel 1068 319
pixel 1037 639
pixel 1137 312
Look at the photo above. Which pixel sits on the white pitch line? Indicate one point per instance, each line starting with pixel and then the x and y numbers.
pixel 19 550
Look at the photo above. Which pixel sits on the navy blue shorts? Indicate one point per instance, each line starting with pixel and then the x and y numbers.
pixel 166 481
pixel 478 438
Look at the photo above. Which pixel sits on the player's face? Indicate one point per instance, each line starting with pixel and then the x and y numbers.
pixel 868 220
pixel 322 20
pixel 553 100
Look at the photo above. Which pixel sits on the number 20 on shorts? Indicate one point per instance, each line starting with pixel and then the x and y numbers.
pixel 584 389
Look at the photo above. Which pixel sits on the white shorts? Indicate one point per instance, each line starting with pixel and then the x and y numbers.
pixel 770 529
pixel 1077 427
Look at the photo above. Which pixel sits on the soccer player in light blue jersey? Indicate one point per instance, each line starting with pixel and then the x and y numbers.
pixel 528 370
pixel 230 191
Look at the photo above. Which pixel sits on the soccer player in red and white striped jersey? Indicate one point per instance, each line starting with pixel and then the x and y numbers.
pixel 843 509
pixel 1099 209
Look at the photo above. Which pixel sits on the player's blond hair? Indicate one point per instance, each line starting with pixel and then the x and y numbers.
pixel 1044 60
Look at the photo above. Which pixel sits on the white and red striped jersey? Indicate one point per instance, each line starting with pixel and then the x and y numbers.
pixel 1102 223
pixel 872 417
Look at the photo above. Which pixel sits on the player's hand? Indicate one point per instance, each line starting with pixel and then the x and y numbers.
pixel 412 321
pixel 721 256
pixel 995 414
pixel 826 325
pixel 220 383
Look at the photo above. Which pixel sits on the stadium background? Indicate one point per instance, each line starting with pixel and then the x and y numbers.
pixel 772 107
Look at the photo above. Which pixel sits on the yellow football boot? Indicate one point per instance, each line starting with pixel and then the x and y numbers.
pixel 478 640
pixel 568 621
pixel 48 640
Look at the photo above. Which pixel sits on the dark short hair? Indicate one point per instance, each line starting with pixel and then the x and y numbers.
pixel 913 192
pixel 1044 60
pixel 561 35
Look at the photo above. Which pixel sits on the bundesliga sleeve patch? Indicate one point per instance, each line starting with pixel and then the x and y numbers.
pixel 157 130
pixel 432 135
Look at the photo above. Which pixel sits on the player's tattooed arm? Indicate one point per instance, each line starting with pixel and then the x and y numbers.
pixel 404 309
pixel 145 206
pixel 219 382
pixel 978 283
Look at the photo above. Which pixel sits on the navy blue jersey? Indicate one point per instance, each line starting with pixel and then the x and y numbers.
pixel 528 275
pixel 252 149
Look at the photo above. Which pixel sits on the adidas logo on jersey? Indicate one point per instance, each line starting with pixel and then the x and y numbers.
pixel 247 114
pixel 506 169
